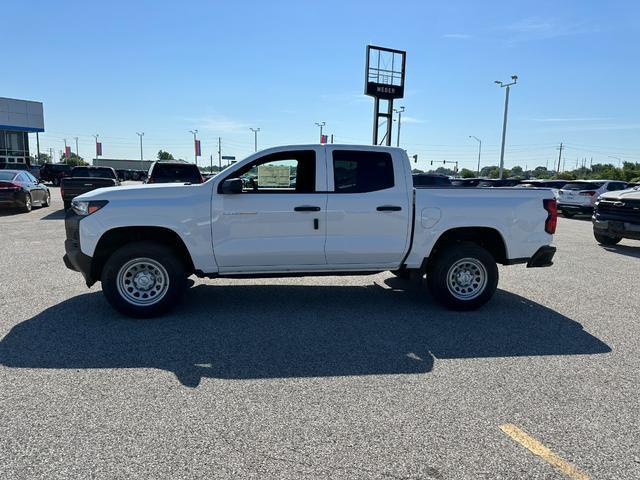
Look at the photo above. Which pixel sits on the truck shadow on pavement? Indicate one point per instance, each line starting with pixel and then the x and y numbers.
pixel 627 250
pixel 280 331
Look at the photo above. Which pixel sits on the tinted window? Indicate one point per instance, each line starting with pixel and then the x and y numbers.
pixel 7 176
pixel 616 186
pixel 23 178
pixel 175 172
pixel 282 172
pixel 30 177
pixel 357 171
pixel 92 172
pixel 582 186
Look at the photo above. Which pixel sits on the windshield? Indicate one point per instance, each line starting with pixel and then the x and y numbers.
pixel 6 176
pixel 582 186
pixel 92 172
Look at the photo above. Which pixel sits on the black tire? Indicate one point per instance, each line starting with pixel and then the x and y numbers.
pixel 475 263
pixel 402 273
pixel 566 214
pixel 47 199
pixel 28 203
pixel 606 239
pixel 67 204
pixel 170 284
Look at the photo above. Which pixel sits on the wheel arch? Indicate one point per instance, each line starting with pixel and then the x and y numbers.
pixel 489 238
pixel 115 238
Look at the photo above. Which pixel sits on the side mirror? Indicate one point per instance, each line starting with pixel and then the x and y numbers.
pixel 232 185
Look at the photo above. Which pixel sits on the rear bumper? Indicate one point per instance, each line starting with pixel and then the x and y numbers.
pixel 616 228
pixel 543 257
pixel 74 259
pixel 571 208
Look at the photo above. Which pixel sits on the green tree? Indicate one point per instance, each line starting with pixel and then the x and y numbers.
pixel 416 170
pixel 517 171
pixel 466 173
pixel 43 158
pixel 162 155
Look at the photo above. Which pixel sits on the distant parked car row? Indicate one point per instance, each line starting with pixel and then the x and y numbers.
pixel 128 174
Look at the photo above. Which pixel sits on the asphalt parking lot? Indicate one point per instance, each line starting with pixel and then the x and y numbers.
pixel 328 377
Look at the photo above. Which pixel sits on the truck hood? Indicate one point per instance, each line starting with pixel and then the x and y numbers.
pixel 631 194
pixel 145 191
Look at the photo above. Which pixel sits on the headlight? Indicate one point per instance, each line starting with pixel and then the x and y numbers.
pixel 87 207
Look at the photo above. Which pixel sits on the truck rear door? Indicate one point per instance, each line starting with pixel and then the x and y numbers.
pixel 368 208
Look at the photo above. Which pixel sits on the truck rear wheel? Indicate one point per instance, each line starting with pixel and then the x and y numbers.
pixel 462 276
pixel 143 279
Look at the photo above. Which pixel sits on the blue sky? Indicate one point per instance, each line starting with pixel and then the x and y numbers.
pixel 165 68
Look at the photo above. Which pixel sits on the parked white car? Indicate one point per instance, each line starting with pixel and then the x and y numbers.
pixel 580 196
pixel 553 185
pixel 310 209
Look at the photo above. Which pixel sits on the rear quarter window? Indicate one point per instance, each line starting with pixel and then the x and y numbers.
pixel 582 186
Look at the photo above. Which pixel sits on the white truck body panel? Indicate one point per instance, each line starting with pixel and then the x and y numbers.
pixel 261 233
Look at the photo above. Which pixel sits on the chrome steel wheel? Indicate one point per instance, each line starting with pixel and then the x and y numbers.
pixel 467 278
pixel 142 281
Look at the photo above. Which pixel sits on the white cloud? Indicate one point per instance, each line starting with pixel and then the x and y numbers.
pixel 536 28
pixel 218 124
pixel 408 119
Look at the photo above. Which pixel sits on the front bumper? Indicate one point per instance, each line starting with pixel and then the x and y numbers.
pixel 543 257
pixel 615 228
pixel 74 259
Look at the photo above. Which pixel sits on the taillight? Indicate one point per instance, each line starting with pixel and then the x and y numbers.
pixel 589 193
pixel 551 222
pixel 10 186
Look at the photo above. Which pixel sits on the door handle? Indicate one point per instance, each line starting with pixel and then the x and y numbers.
pixel 307 208
pixel 389 208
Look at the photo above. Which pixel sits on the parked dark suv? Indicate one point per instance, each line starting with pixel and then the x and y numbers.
pixel 616 216
pixel 54 172
pixel 174 172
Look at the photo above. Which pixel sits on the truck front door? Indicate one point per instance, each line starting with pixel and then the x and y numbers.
pixel 278 220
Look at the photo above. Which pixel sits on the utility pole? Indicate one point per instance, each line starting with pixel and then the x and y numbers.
pixel 255 138
pixel 38 146
pixel 141 134
pixel 220 153
pixel 195 148
pixel 77 153
pixel 399 112
pixel 332 138
pixel 559 157
pixel 65 150
pixel 51 154
pixel 321 124
pixel 479 150
pixel 504 121
pixel 211 163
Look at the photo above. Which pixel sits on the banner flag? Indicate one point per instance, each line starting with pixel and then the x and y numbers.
pixel 67 151
pixel 98 149
pixel 198 151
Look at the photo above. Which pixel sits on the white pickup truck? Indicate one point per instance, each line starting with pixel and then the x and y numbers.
pixel 305 210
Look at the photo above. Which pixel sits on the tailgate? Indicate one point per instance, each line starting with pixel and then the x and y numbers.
pixel 73 187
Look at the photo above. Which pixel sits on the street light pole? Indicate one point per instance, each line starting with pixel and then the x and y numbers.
pixel 77 153
pixel 479 150
pixel 255 138
pixel 141 134
pixel 195 149
pixel 321 124
pixel 617 158
pixel 399 112
pixel 504 121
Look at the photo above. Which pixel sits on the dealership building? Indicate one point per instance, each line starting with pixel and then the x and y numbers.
pixel 18 118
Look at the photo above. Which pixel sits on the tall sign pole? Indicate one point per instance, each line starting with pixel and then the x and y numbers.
pixel 384 81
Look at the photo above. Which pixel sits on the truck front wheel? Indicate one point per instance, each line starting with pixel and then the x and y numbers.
pixel 462 276
pixel 143 279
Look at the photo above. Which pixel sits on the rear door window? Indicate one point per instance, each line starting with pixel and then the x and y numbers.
pixel 361 171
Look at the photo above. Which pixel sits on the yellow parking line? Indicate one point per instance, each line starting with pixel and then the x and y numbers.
pixel 543 452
